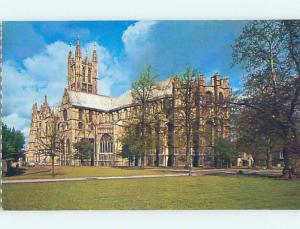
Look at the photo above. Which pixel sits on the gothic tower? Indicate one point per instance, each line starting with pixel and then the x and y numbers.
pixel 82 73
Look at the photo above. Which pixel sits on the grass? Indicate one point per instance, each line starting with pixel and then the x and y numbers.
pixel 199 192
pixel 84 171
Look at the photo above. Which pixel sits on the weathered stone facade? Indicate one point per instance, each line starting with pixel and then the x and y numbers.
pixel 102 119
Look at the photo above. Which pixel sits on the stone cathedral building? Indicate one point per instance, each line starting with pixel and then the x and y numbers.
pixel 83 113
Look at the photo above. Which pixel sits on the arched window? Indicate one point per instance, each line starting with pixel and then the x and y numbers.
pixel 106 144
pixel 221 127
pixel 208 97
pixel 89 75
pixel 65 113
pixel 221 97
pixel 80 114
pixel 83 73
pixel 80 125
pixel 90 116
pixel 209 132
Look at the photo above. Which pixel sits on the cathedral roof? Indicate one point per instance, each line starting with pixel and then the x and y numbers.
pixel 107 103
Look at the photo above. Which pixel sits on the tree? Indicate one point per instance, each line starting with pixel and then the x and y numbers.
pixel 186 93
pixel 50 138
pixel 13 142
pixel 269 51
pixel 226 152
pixel 84 150
pixel 142 93
pixel 131 146
pixel 257 134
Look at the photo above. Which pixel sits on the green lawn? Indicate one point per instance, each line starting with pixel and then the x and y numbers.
pixel 84 171
pixel 199 192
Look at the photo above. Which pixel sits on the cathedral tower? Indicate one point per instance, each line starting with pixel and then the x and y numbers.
pixel 82 73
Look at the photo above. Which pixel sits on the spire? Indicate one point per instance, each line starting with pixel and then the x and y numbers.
pixel 94 58
pixel 86 59
pixel 78 50
pixel 70 52
pixel 34 107
pixel 45 100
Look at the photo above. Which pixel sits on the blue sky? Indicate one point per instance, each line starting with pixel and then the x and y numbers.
pixel 35 56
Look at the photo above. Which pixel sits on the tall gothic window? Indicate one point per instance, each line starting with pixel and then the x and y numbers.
pixel 209 97
pixel 89 76
pixel 221 97
pixel 221 123
pixel 80 114
pixel 90 116
pixel 209 132
pixel 83 74
pixel 106 144
pixel 65 114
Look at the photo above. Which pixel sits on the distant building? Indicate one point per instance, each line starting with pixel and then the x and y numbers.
pixel 101 119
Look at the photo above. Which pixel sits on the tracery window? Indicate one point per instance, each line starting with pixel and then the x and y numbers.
pixel 106 144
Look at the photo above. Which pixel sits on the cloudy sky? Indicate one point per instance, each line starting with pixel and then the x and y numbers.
pixel 35 56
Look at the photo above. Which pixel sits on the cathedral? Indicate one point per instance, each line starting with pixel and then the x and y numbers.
pixel 85 114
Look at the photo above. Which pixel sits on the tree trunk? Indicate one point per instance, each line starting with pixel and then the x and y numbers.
pixel 157 142
pixel 52 162
pixel 170 144
pixel 269 154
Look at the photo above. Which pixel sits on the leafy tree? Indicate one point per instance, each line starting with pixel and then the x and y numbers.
pixel 269 51
pixel 142 92
pixel 84 150
pixel 131 146
pixel 226 152
pixel 13 142
pixel 186 87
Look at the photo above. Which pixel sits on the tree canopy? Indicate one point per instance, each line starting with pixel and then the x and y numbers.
pixel 13 142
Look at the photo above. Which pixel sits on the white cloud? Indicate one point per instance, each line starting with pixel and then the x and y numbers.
pixel 135 36
pixel 46 74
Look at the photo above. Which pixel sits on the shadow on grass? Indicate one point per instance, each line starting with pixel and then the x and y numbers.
pixel 14 172
pixel 22 172
pixel 239 174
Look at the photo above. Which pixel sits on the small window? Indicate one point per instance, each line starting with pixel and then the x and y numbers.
pixel 221 97
pixel 90 116
pixel 90 88
pixel 80 125
pixel 65 114
pixel 209 97
pixel 84 87
pixel 83 73
pixel 80 114
pixel 89 75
